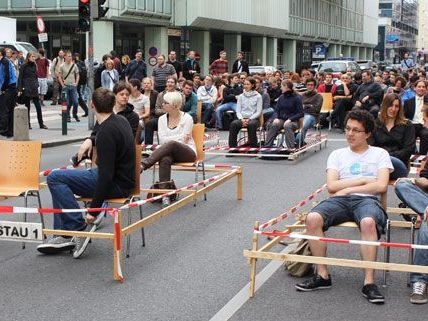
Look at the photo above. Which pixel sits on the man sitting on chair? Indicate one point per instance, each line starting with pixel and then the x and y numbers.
pixel 113 178
pixel 355 176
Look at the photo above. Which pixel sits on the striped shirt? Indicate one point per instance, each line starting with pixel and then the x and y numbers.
pixel 219 67
pixel 160 74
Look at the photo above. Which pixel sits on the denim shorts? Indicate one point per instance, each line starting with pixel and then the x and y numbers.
pixel 351 208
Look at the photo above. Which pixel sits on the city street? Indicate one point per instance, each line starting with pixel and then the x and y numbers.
pixel 192 267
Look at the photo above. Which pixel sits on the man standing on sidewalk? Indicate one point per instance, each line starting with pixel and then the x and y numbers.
pixel 113 178
pixel 68 77
pixel 137 68
pixel 7 94
pixel 55 66
pixel 42 75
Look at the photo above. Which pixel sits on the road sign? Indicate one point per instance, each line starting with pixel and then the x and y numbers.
pixel 153 61
pixel 43 37
pixel 40 24
pixel 21 231
pixel 153 51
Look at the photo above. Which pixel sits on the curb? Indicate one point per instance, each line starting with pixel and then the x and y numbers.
pixel 55 143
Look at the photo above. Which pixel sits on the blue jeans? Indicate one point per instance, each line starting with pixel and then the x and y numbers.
pixel 400 169
pixel 72 99
pixel 309 121
pixel 64 184
pixel 417 200
pixel 220 110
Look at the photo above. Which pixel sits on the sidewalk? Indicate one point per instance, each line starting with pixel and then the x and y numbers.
pixel 53 135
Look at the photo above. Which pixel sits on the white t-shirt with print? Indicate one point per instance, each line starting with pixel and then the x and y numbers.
pixel 351 165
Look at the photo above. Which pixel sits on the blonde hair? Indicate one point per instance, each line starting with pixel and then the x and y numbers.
pixel 174 98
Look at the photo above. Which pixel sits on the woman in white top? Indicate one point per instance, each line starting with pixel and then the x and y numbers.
pixel 175 137
pixel 109 76
pixel 140 102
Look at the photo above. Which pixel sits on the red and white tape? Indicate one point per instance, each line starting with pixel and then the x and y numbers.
pixel 291 210
pixel 48 171
pixel 418 158
pixel 34 210
pixel 343 241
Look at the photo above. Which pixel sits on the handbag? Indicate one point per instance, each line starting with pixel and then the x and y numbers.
pixel 163 185
pixel 300 269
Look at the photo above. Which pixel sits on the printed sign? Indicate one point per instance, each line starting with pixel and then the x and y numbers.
pixel 319 52
pixel 21 231
pixel 43 37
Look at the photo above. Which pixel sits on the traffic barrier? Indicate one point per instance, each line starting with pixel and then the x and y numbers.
pixel 264 251
pixel 226 173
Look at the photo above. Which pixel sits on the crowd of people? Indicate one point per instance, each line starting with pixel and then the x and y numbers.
pixel 383 114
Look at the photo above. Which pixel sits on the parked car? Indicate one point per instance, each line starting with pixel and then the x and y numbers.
pixel 367 65
pixel 337 67
pixel 259 69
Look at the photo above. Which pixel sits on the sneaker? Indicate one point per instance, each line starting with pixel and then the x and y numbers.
pixel 371 292
pixel 76 118
pixel 56 244
pixel 166 201
pixel 314 283
pixel 82 242
pixel 419 293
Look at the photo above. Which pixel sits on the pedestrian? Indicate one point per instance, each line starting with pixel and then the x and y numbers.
pixel 42 74
pixel 407 62
pixel 220 65
pixel 172 60
pixel 161 72
pixel 117 62
pixel 125 62
pixel 137 68
pixel 114 176
pixel 55 66
pixel 191 67
pixel 8 82
pixel 82 86
pixel 99 71
pixel 68 77
pixel 240 65
pixel 109 76
pixel 28 87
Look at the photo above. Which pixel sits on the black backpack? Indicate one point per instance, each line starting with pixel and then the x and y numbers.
pixel 83 73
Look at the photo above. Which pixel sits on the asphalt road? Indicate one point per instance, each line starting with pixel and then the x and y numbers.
pixel 192 265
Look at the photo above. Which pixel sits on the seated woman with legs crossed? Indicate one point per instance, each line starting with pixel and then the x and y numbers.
pixel 175 136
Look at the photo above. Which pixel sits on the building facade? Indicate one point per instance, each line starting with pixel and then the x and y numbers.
pixel 398 29
pixel 284 33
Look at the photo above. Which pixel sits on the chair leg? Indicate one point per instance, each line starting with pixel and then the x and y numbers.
pixel 196 179
pixel 386 251
pixel 128 238
pixel 42 219
pixel 154 174
pixel 143 236
pixel 203 177
pixel 25 214
pixel 412 241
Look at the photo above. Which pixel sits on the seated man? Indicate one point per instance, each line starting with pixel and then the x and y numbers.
pixel 230 95
pixel 208 95
pixel 191 104
pixel 369 94
pixel 312 102
pixel 114 176
pixel 413 193
pixel 355 175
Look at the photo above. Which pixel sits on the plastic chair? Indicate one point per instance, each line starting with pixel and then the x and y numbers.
pixel 327 106
pixel 19 171
pixel 135 196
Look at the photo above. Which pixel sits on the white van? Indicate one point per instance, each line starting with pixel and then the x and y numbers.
pixel 25 47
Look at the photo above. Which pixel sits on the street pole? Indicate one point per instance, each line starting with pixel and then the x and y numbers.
pixel 93 7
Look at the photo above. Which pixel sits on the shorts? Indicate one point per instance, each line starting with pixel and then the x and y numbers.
pixel 351 208
pixel 43 86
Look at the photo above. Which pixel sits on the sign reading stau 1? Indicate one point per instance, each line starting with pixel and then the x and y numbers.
pixel 20 231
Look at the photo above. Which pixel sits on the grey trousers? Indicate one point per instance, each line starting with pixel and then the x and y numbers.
pixel 275 127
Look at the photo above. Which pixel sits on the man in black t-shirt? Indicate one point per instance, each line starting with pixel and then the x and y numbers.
pixel 113 178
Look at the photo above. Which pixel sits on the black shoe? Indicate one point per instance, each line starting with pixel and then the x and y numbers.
pixel 85 115
pixel 76 118
pixel 54 103
pixel 314 283
pixel 43 127
pixel 68 120
pixel 372 293
pixel 29 126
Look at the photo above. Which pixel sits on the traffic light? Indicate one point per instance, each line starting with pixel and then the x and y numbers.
pixel 101 9
pixel 84 15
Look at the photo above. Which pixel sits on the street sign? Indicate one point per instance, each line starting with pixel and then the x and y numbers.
pixel 43 37
pixel 153 61
pixel 40 24
pixel 21 231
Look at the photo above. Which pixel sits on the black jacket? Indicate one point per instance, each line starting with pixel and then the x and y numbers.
pixel 244 65
pixel 410 106
pixel 28 82
pixel 190 65
pixel 312 102
pixel 230 93
pixel 371 89
pixel 153 98
pixel 274 95
pixel 398 142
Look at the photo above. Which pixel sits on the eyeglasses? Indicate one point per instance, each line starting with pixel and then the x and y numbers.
pixel 354 130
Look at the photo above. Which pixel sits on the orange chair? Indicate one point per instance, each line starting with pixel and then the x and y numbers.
pixel 19 171
pixel 135 196
pixel 327 106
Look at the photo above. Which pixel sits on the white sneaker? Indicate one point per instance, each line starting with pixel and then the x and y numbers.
pixel 56 244
pixel 82 243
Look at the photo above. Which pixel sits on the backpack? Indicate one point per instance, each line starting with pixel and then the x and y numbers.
pixel 83 73
pixel 300 269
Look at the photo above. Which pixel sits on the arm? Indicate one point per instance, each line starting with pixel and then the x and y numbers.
pixel 76 75
pixel 193 105
pixel 159 107
pixel 259 109
pixel 146 113
pixel 104 79
pixel 238 108
pixel 214 96
pixel 358 185
pixel 59 76
pixel 299 110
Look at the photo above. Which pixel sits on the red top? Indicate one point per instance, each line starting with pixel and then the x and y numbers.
pixel 42 67
pixel 219 67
